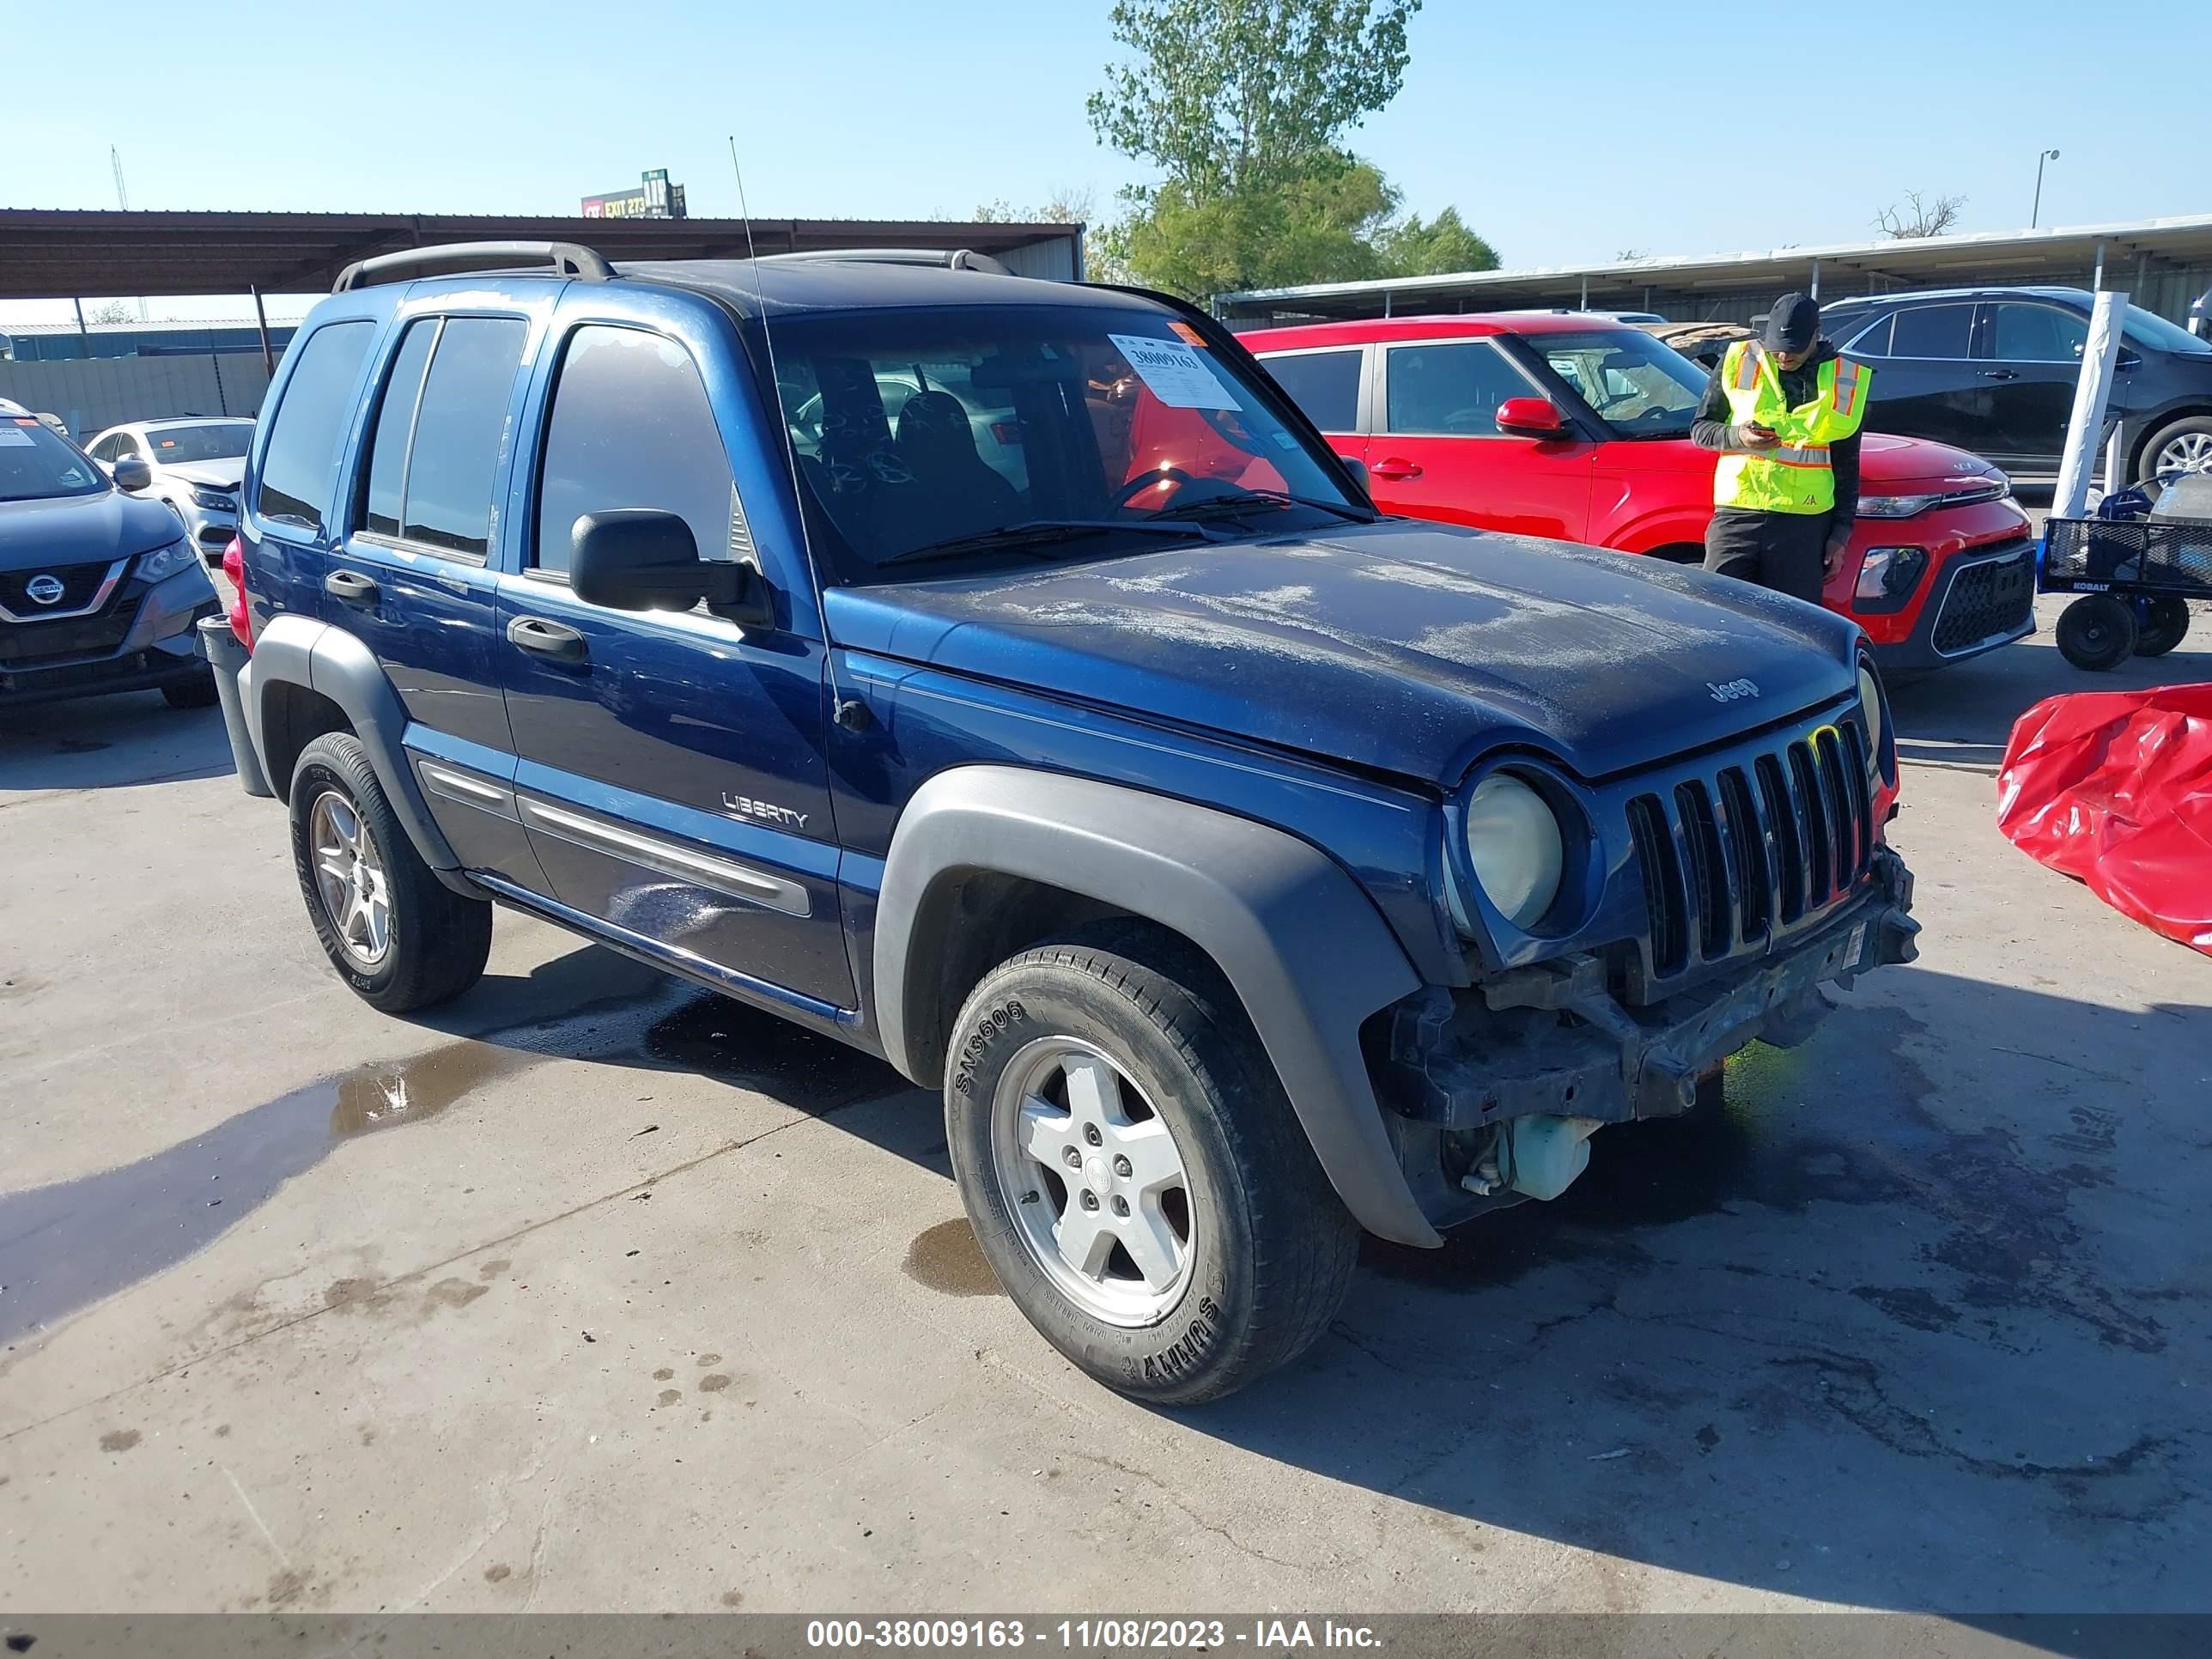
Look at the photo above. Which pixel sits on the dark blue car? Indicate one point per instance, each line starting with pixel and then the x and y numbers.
pixel 100 590
pixel 1002 676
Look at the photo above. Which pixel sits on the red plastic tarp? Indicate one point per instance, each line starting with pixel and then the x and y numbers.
pixel 2115 789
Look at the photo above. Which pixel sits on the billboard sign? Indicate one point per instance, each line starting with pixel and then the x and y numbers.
pixel 654 198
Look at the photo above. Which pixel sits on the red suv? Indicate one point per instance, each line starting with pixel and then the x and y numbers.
pixel 1576 428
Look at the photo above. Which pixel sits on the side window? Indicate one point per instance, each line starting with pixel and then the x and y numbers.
pixel 301 461
pixel 1872 342
pixel 631 427
pixel 1932 332
pixel 395 424
pixel 1324 384
pixel 108 448
pixel 2036 334
pixel 1450 389
pixel 458 431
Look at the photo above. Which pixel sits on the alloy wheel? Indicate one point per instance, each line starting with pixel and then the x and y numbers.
pixel 2190 453
pixel 350 879
pixel 1093 1181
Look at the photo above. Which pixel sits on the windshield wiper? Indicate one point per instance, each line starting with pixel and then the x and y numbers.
pixel 1230 507
pixel 1032 531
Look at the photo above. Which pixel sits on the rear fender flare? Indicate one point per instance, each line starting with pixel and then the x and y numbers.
pixel 1302 945
pixel 303 651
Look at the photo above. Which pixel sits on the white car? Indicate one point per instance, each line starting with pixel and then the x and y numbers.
pixel 197 465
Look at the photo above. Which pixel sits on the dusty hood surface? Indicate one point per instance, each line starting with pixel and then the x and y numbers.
pixel 1408 649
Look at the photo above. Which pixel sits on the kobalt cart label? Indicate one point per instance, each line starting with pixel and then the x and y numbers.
pixel 1177 375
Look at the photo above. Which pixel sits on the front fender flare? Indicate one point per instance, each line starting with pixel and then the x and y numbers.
pixel 1302 945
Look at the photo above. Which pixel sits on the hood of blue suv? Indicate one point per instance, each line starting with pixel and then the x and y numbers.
pixel 1408 649
pixel 59 529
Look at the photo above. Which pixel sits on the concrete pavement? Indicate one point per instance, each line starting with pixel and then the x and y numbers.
pixel 592 1292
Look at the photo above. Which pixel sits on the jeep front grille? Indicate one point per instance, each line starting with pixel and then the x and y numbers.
pixel 1750 850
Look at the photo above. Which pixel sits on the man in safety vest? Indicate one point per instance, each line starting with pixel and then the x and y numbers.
pixel 1784 411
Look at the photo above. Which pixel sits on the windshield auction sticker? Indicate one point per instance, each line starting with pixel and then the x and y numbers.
pixel 1176 375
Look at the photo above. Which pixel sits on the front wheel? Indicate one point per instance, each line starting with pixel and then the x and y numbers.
pixel 2097 632
pixel 1136 1176
pixel 2184 446
pixel 398 935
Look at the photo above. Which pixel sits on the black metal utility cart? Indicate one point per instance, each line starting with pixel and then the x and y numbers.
pixel 2137 578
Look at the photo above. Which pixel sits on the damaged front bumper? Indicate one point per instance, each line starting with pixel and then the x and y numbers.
pixel 1494 1089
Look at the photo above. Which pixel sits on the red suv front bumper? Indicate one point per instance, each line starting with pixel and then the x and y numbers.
pixel 1976 593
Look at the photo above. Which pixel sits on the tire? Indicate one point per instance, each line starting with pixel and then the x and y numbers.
pixel 432 943
pixel 198 692
pixel 2190 437
pixel 2097 632
pixel 1260 1247
pixel 2161 623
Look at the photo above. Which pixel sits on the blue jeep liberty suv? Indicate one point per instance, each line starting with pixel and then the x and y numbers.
pixel 1003 677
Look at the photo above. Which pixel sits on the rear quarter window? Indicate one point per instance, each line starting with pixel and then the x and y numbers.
pixel 1323 384
pixel 301 464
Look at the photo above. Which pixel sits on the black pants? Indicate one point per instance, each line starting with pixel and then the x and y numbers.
pixel 1784 551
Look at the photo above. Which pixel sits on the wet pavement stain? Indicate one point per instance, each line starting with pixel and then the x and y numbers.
pixel 119 1440
pixel 66 1245
pixel 946 1258
pixel 1842 1119
pixel 735 1043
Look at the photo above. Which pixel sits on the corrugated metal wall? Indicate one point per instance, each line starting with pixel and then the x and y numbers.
pixel 91 396
pixel 1058 260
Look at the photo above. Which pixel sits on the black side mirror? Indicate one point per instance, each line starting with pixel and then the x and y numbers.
pixel 639 558
pixel 131 474
pixel 2129 358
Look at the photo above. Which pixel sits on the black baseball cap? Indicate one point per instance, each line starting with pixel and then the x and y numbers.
pixel 1794 324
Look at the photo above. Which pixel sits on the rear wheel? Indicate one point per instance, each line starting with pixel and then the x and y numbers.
pixel 2161 623
pixel 198 692
pixel 396 933
pixel 2097 632
pixel 1136 1176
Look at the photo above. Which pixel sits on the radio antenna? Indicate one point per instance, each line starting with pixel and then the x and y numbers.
pixel 850 712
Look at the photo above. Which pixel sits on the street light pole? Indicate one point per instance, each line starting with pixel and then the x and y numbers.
pixel 2035 213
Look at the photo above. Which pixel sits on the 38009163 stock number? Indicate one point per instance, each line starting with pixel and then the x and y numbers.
pixel 1076 1634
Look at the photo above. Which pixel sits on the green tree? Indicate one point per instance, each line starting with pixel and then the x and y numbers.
pixel 1412 248
pixel 1244 105
pixel 1224 94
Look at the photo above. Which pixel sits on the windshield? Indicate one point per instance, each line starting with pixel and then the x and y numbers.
pixel 2147 328
pixel 1640 386
pixel 35 462
pixel 917 429
pixel 216 440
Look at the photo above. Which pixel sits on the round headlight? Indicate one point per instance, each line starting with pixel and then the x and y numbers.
pixel 1870 702
pixel 1515 847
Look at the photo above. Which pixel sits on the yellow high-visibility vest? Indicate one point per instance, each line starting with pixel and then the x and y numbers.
pixel 1796 477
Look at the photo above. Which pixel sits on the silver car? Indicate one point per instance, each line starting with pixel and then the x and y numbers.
pixel 197 465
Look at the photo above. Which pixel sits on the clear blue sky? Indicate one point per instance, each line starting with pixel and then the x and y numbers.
pixel 1565 133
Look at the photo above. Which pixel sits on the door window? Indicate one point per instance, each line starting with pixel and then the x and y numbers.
pixel 2036 334
pixel 458 432
pixel 1324 384
pixel 395 424
pixel 1449 390
pixel 300 464
pixel 631 427
pixel 1932 332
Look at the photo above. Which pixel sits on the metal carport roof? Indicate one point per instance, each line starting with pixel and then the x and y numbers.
pixel 49 253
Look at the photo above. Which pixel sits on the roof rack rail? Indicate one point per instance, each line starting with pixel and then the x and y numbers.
pixel 567 259
pixel 955 258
